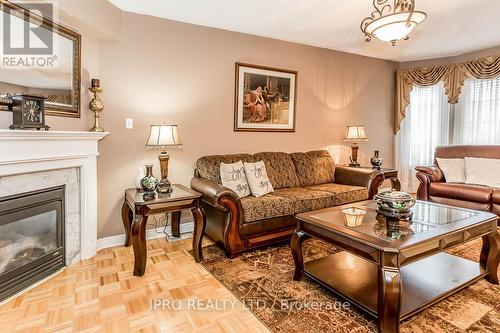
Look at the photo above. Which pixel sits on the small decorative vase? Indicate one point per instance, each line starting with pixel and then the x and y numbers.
pixel 376 160
pixel 149 183
pixel 140 175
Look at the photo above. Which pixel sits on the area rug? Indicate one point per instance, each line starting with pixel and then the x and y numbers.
pixel 262 279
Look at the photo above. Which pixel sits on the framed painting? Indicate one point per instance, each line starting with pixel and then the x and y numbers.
pixel 264 99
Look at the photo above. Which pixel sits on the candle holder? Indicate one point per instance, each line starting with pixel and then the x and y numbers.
pixel 353 216
pixel 96 105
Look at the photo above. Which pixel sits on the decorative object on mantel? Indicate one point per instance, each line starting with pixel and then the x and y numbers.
pixel 163 136
pixel 149 184
pixel 390 23
pixel 376 160
pixel 96 105
pixel 355 134
pixel 28 111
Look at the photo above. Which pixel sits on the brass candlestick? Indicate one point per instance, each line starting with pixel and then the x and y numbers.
pixel 96 106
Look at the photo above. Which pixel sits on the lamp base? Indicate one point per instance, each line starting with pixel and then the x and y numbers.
pixel 164 186
pixel 355 165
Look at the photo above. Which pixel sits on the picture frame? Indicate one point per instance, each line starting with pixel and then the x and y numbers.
pixel 265 98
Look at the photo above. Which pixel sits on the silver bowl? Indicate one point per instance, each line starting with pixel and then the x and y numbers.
pixel 394 204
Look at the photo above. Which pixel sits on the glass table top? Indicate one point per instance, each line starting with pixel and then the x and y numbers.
pixel 425 217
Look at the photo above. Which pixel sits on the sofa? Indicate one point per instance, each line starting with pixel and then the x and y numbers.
pixel 433 186
pixel 301 181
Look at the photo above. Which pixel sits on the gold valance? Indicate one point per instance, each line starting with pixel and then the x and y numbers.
pixel 453 76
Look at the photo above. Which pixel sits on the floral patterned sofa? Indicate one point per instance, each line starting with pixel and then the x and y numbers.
pixel 301 181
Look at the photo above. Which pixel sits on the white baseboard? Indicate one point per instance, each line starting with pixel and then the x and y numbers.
pixel 119 240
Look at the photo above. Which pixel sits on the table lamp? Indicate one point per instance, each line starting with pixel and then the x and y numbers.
pixel 355 134
pixel 161 137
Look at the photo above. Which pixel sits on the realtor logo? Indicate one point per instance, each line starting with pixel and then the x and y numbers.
pixel 27 42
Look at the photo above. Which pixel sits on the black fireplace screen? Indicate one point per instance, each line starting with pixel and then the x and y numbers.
pixel 31 238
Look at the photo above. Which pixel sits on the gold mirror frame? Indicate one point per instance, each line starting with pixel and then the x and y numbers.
pixel 50 108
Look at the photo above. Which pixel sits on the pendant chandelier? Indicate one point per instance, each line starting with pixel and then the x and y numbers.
pixel 392 22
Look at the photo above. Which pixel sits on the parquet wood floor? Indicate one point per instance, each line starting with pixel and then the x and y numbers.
pixel 102 295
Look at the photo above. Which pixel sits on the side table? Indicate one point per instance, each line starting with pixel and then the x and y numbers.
pixel 136 210
pixel 391 174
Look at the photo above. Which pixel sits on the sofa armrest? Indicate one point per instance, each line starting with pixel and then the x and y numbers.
pixel 371 179
pixel 427 175
pixel 432 171
pixel 213 192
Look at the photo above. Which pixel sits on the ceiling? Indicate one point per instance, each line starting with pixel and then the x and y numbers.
pixel 452 27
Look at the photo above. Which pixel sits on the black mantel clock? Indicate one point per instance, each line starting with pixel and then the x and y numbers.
pixel 28 112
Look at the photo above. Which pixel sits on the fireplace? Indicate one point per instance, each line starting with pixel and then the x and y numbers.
pixel 31 238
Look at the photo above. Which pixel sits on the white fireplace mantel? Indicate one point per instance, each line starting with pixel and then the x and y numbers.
pixel 36 151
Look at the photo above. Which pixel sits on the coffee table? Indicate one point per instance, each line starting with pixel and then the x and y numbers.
pixel 393 271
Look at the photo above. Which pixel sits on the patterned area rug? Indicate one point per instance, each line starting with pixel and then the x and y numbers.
pixel 263 278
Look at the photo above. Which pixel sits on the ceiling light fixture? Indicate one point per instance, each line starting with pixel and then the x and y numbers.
pixel 390 23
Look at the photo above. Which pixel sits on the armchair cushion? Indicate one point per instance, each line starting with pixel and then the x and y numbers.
pixel 305 200
pixel 496 196
pixel 280 169
pixel 314 167
pixel 465 192
pixel 267 206
pixel 343 194
pixel 209 166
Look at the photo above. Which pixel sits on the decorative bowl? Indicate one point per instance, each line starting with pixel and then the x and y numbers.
pixel 394 204
pixel 353 217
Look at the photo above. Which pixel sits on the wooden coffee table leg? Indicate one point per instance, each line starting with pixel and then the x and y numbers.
pixel 389 299
pixel 127 221
pixel 139 244
pixel 199 230
pixel 298 258
pixel 176 224
pixel 490 256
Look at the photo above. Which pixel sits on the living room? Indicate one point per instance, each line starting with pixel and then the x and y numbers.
pixel 141 136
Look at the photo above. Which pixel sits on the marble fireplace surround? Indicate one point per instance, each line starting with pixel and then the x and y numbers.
pixel 39 159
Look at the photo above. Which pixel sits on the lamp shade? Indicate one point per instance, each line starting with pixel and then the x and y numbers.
pixel 163 136
pixel 355 133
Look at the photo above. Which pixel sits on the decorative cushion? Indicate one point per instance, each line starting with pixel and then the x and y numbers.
pixel 343 194
pixel 280 169
pixel 209 166
pixel 305 200
pixel 314 167
pixel 265 207
pixel 257 178
pixel 233 176
pixel 482 171
pixel 453 169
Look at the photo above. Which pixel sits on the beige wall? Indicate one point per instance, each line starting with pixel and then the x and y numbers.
pixel 164 71
pixel 157 71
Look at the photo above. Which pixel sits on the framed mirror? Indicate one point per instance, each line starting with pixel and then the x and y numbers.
pixel 40 58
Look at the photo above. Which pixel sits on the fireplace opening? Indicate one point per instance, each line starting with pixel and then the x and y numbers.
pixel 31 238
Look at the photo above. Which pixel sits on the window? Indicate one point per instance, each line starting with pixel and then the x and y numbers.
pixel 477 113
pixel 430 122
pixel 426 126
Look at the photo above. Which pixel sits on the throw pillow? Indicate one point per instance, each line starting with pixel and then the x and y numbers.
pixel 257 179
pixel 233 176
pixel 453 169
pixel 482 171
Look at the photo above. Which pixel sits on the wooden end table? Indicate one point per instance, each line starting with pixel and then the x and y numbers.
pixel 136 210
pixel 394 271
pixel 391 174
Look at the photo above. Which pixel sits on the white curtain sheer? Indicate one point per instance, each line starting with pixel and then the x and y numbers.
pixel 476 116
pixel 426 126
